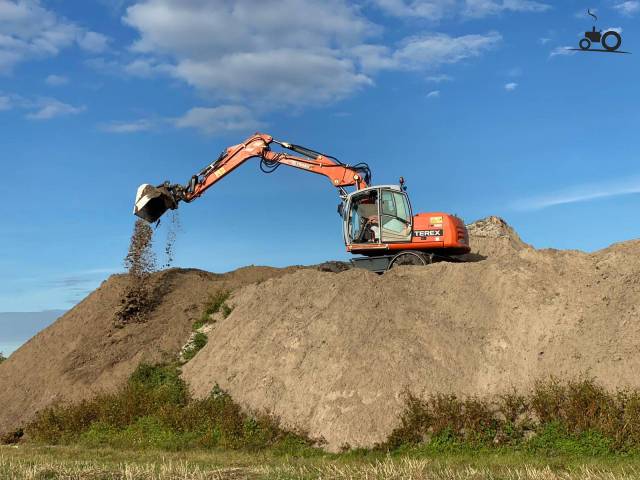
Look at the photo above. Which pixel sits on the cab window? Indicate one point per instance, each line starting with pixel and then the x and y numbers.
pixel 363 226
pixel 396 217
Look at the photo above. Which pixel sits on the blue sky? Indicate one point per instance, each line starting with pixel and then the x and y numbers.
pixel 477 103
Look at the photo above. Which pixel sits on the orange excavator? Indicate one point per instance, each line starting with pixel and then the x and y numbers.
pixel 378 224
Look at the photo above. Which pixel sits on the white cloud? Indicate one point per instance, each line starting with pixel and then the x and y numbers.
pixel 141 125
pixel 433 94
pixel 431 9
pixel 562 51
pixel 514 72
pixel 105 65
pixel 249 53
pixel 544 40
pixel 219 119
pixel 484 8
pixel 114 6
pixel 614 29
pixel 28 31
pixel 428 51
pixel 93 42
pixel 438 49
pixel 284 76
pixel 49 108
pixel 511 86
pixel 208 120
pixel 436 10
pixel 146 67
pixel 246 51
pixel 628 8
pixel 56 80
pixel 581 193
pixel 5 103
pixel 439 78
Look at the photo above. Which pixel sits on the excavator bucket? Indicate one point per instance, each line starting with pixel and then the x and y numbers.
pixel 152 202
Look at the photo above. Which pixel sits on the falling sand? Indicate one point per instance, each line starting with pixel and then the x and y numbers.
pixel 139 296
pixel 140 263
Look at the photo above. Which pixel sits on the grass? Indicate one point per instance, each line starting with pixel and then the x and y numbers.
pixel 38 462
pixel 152 428
pixel 2 357
pixel 155 410
pixel 217 304
pixel 196 344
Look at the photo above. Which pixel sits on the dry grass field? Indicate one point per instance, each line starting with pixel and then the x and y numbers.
pixel 31 462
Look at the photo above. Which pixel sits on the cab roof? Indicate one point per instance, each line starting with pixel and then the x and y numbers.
pixel 395 188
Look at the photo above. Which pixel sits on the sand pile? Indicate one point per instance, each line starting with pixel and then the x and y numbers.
pixel 333 353
pixel 493 237
pixel 87 350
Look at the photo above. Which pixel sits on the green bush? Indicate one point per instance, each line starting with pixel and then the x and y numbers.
pixel 199 341
pixel 226 310
pixel 578 417
pixel 154 410
pixel 215 304
pixel 2 357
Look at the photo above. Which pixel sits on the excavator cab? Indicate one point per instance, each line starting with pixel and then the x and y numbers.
pixel 377 215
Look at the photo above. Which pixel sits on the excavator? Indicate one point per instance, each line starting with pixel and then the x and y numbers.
pixel 378 223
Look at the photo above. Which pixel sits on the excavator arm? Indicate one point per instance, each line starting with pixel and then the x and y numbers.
pixel 153 202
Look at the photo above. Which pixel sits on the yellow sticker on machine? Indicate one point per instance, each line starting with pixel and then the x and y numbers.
pixel 436 219
pixel 221 171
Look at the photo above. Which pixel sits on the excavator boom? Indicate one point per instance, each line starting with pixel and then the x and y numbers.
pixel 152 202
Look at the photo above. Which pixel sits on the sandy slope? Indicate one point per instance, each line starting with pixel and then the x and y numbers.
pixel 83 352
pixel 332 353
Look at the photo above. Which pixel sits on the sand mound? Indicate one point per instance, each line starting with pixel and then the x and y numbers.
pixel 333 353
pixel 492 236
pixel 87 351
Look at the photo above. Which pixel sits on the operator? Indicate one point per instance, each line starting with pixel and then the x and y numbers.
pixel 375 229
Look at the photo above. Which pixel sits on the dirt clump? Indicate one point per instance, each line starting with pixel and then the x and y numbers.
pixel 493 237
pixel 334 266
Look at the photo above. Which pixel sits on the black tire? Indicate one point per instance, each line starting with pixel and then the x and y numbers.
pixel 611 33
pixel 585 44
pixel 410 258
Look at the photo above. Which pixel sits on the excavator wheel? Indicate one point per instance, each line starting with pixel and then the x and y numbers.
pixel 410 257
